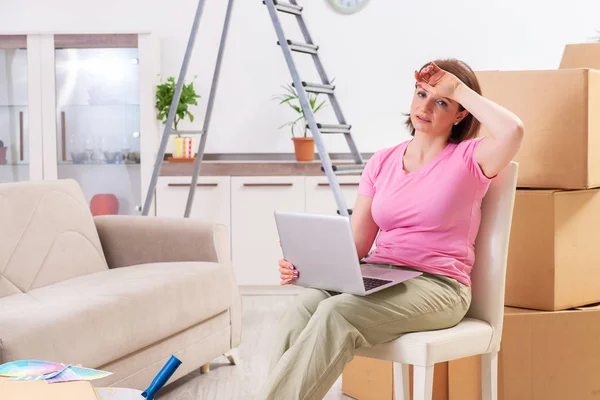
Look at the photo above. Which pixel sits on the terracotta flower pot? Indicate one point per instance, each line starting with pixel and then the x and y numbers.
pixel 104 204
pixel 3 155
pixel 304 148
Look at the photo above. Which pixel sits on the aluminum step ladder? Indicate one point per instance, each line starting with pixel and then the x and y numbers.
pixel 325 87
pixel 173 108
pixel 301 87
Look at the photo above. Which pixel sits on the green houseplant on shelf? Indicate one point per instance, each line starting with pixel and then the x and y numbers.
pixel 165 92
pixel 164 96
pixel 304 145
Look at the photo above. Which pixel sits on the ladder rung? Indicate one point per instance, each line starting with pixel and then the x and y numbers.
pixel 318 87
pixel 302 47
pixel 349 172
pixel 325 128
pixel 287 7
pixel 348 169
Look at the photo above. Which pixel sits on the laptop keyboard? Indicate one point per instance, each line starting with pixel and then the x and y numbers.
pixel 372 283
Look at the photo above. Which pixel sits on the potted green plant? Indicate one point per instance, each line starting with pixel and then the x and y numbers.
pixel 2 153
pixel 164 97
pixel 304 145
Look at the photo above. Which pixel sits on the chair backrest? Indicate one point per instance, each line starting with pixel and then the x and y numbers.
pixel 488 276
pixel 47 235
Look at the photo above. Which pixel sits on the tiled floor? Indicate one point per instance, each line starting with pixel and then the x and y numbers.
pixel 226 382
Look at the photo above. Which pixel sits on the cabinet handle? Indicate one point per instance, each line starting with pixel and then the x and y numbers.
pixel 21 144
pixel 268 184
pixel 63 134
pixel 189 184
pixel 341 184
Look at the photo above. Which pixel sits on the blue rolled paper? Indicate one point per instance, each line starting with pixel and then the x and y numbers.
pixel 161 378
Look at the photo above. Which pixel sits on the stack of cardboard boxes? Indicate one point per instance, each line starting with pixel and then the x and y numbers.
pixel 551 338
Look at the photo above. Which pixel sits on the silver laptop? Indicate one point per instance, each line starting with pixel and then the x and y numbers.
pixel 322 249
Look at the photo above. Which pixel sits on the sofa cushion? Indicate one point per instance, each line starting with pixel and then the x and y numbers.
pixel 98 318
pixel 47 235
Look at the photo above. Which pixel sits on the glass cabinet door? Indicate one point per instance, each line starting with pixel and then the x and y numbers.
pixel 14 143
pixel 98 119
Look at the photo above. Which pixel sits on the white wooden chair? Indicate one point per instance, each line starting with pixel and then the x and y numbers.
pixel 480 332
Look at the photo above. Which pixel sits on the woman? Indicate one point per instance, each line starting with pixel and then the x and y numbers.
pixel 423 197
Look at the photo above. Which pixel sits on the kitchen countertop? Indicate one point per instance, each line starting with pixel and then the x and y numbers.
pixel 248 168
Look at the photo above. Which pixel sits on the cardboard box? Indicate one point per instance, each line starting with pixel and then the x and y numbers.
pixel 371 379
pixel 464 378
pixel 581 55
pixel 543 356
pixel 368 379
pixel 553 257
pixel 559 108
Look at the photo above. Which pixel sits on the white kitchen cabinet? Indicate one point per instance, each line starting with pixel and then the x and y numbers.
pixel 319 195
pixel 211 199
pixel 255 241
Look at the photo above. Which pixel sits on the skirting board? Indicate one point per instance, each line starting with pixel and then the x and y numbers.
pixel 270 290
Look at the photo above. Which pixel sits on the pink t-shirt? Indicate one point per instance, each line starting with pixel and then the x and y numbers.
pixel 428 218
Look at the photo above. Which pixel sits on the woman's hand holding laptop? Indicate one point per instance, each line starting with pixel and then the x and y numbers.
pixel 287 272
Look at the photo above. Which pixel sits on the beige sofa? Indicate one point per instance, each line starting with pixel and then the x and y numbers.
pixel 118 293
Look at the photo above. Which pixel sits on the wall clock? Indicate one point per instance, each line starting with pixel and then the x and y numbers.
pixel 347 6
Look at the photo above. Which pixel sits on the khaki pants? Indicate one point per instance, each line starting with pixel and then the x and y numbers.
pixel 321 330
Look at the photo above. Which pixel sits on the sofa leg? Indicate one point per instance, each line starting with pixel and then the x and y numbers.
pixel 205 368
pixel 233 356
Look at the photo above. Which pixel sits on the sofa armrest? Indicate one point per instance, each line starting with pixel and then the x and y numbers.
pixel 131 240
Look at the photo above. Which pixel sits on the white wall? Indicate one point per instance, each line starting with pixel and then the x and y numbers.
pixel 371 54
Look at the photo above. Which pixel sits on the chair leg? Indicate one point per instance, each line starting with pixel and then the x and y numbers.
pixel 233 356
pixel 401 382
pixel 489 376
pixel 423 382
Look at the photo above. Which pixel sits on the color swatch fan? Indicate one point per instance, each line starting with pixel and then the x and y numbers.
pixel 48 371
